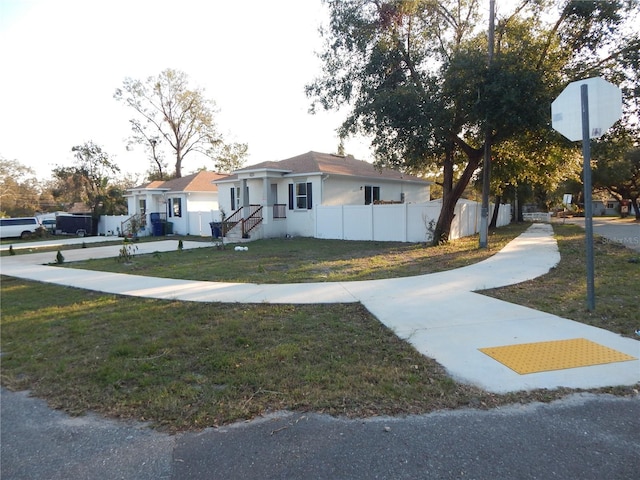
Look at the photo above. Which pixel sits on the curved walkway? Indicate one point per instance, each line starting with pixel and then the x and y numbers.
pixel 439 314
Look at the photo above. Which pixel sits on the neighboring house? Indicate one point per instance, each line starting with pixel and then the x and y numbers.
pixel 79 208
pixel 273 199
pixel 183 206
pixel 606 207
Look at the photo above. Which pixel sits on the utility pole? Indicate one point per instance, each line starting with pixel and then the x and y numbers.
pixel 486 169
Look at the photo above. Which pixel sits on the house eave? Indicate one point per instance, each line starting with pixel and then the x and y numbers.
pixel 142 191
pixel 363 177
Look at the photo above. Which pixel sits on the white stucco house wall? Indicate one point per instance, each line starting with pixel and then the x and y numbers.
pixel 283 195
pixel 188 203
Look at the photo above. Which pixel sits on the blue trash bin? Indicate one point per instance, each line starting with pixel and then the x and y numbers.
pixel 216 229
pixel 157 229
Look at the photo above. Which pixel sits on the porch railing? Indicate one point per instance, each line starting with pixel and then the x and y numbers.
pixel 232 220
pixel 279 210
pixel 133 224
pixel 252 221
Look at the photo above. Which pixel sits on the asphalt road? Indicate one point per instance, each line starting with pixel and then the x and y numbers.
pixel 584 437
pixel 623 231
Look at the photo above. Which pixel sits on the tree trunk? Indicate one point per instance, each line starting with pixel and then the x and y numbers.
pixel 443 225
pixel 496 210
pixel 451 193
pixel 636 207
pixel 179 149
pixel 178 164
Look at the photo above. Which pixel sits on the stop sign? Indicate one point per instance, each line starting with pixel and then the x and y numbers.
pixel 605 108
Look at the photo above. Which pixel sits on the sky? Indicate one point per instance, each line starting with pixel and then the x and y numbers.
pixel 62 61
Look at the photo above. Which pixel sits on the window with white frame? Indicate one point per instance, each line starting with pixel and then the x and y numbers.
pixel 235 198
pixel 143 206
pixel 371 194
pixel 176 207
pixel 300 196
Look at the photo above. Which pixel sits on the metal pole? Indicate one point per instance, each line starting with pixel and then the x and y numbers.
pixel 486 170
pixel 588 204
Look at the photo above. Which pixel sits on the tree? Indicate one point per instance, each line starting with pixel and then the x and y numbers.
pixel 91 180
pixel 416 77
pixel 151 145
pixel 167 107
pixel 531 168
pixel 231 157
pixel 19 190
pixel 617 165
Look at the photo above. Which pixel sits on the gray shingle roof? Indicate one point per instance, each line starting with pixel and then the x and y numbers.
pixel 196 182
pixel 315 162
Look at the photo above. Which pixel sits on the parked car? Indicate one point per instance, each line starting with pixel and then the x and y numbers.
pixel 22 227
pixel 50 225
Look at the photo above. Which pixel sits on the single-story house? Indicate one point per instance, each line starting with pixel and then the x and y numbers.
pixel 277 198
pixel 610 206
pixel 172 204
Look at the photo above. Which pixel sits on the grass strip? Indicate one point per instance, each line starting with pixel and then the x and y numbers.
pixel 563 291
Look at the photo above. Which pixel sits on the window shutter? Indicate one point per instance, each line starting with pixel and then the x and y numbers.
pixel 233 199
pixel 291 196
pixel 309 197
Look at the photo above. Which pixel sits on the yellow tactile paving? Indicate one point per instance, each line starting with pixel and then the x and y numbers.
pixel 554 355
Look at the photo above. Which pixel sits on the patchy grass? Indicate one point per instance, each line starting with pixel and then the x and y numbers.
pixel 187 365
pixel 308 260
pixel 563 291
pixel 192 365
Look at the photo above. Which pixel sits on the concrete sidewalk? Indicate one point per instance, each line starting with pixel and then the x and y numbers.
pixel 439 314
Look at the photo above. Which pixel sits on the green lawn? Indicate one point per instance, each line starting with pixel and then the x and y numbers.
pixel 308 260
pixel 191 365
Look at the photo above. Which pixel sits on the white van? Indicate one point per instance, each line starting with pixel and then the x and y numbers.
pixel 22 227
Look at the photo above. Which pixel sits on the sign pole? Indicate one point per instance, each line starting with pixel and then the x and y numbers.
pixel 588 204
pixel 572 117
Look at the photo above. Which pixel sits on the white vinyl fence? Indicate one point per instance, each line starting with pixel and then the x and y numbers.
pixel 199 222
pixel 110 224
pixel 399 222
pixel 193 223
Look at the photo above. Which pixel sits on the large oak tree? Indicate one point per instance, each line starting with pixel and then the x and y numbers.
pixel 415 75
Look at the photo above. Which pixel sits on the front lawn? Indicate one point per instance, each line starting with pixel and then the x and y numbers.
pixel 184 365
